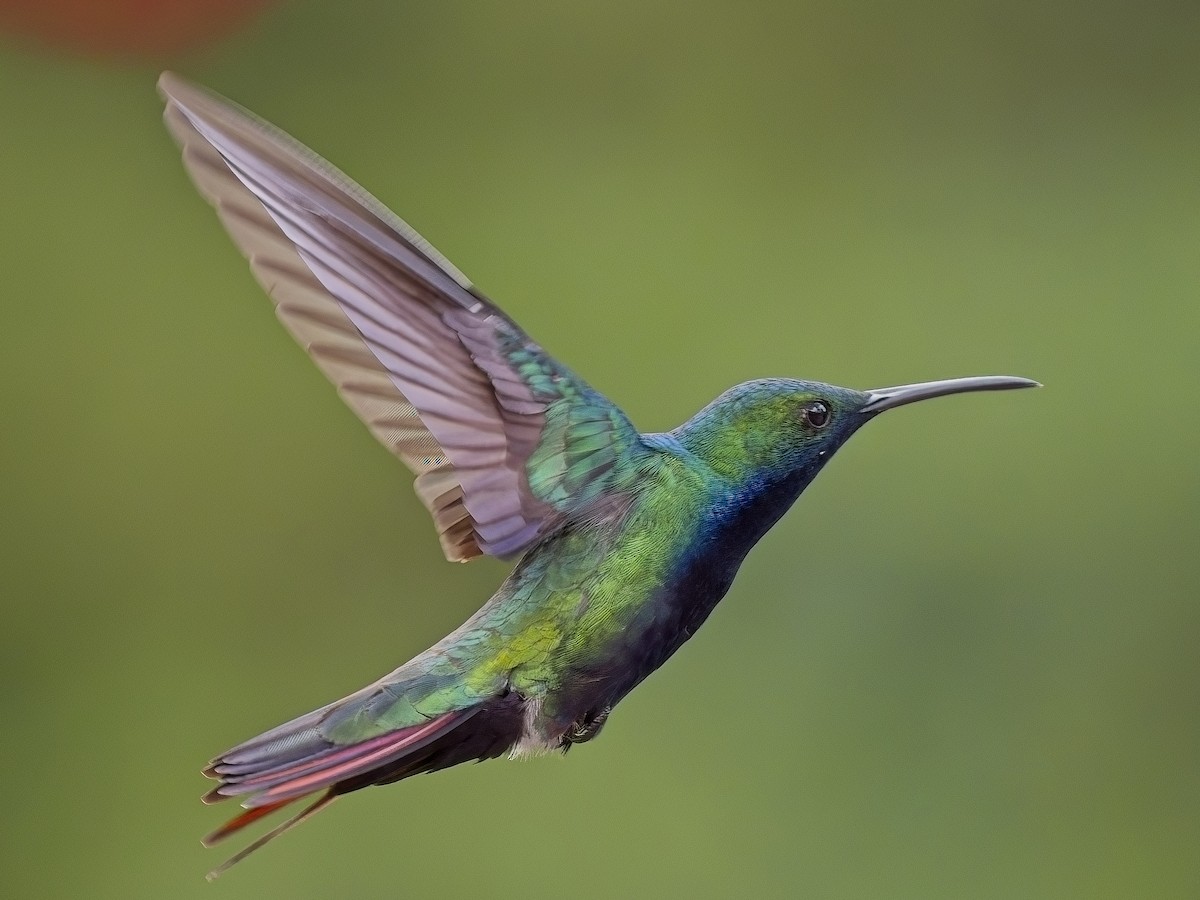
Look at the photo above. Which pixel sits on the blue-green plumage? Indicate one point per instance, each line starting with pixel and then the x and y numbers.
pixel 624 542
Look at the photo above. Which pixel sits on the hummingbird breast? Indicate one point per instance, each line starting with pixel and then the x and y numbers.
pixel 596 607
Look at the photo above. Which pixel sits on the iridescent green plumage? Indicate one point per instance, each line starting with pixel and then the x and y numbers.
pixel 626 541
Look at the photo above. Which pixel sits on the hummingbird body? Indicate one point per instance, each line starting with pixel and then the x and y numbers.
pixel 599 603
pixel 624 542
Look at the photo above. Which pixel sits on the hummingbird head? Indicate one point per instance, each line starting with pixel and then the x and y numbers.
pixel 784 430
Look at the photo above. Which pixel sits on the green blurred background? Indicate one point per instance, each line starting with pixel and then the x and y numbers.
pixel 965 665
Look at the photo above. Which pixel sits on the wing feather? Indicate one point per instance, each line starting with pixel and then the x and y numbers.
pixel 502 438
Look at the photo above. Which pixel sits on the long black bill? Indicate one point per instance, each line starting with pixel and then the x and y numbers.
pixel 889 398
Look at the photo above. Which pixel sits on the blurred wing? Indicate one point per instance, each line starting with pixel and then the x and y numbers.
pixel 501 437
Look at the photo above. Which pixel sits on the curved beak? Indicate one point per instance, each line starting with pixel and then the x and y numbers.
pixel 889 398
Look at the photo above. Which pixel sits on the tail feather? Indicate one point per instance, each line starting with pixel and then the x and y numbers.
pixel 237 823
pixel 251 815
pixel 290 741
pixel 271 780
pixel 297 759
pixel 290 764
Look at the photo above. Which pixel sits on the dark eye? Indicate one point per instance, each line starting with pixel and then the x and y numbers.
pixel 816 413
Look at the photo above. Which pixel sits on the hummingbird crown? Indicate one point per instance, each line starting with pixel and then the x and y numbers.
pixel 772 428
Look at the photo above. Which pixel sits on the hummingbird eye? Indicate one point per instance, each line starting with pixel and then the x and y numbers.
pixel 816 413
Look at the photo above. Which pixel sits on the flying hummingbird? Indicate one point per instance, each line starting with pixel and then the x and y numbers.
pixel 624 542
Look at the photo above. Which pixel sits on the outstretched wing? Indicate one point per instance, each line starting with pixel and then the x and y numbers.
pixel 501 436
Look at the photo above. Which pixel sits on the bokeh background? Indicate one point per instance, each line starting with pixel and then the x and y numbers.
pixel 965 665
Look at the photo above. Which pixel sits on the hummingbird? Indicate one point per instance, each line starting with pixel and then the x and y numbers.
pixel 623 541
